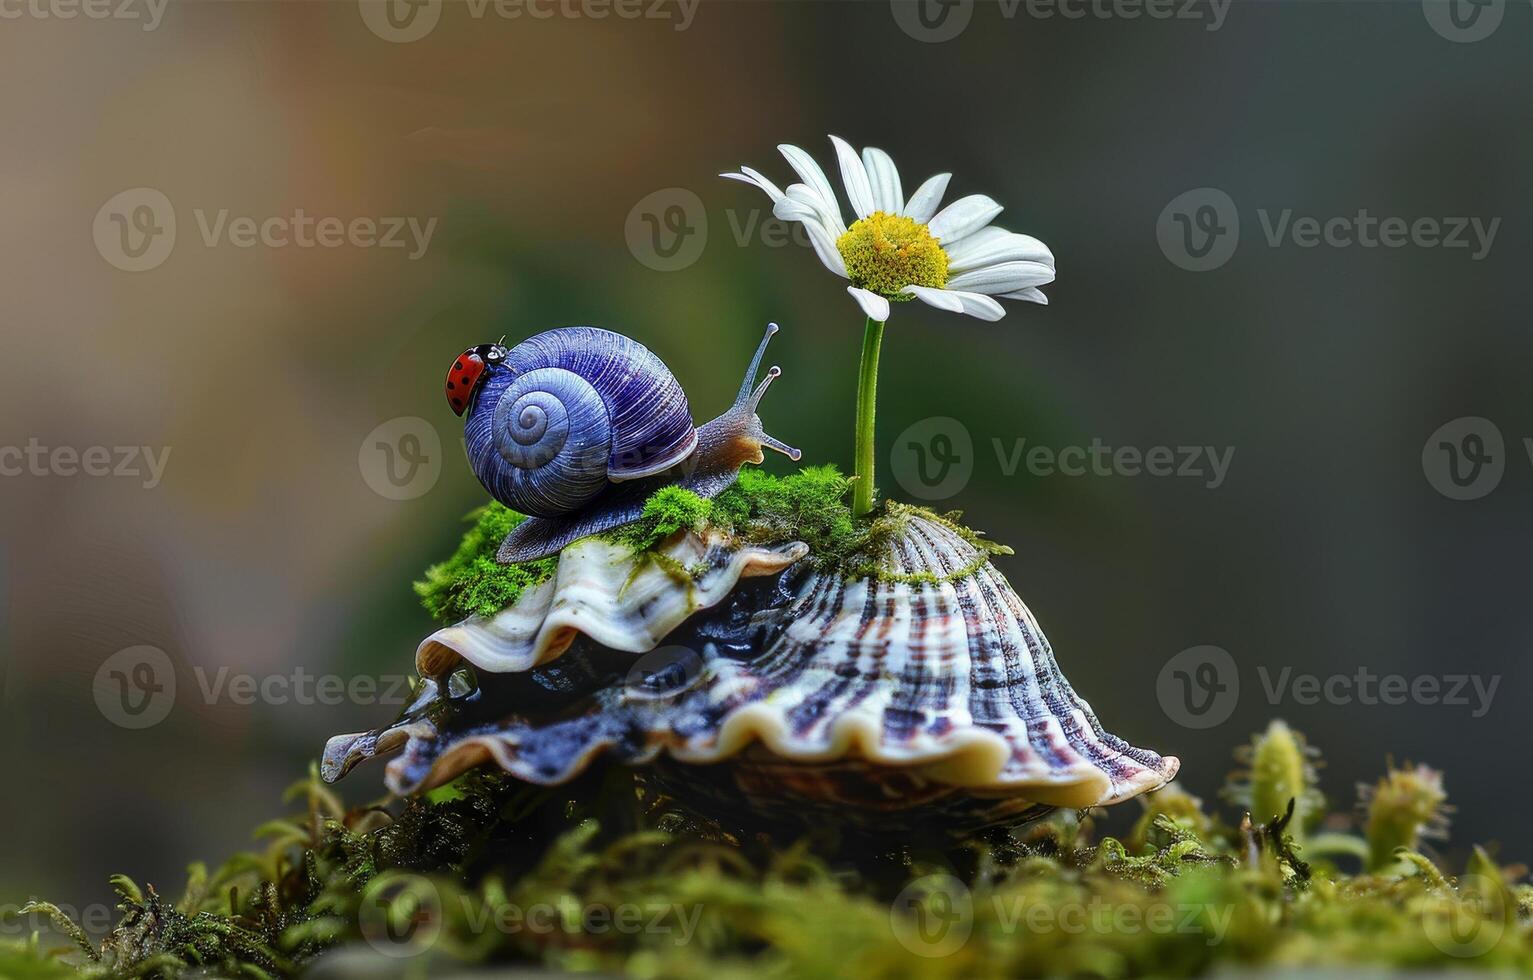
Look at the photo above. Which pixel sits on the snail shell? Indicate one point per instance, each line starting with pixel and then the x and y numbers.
pixel 924 692
pixel 569 411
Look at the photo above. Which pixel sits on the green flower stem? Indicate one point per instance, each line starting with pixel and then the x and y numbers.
pixel 867 403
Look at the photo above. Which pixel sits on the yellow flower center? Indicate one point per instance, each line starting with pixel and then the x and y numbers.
pixel 887 252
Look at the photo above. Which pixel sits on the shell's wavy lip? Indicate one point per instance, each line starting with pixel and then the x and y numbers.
pixel 971 760
pixel 596 592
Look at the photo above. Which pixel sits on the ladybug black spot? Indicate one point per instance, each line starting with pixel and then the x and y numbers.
pixel 449 386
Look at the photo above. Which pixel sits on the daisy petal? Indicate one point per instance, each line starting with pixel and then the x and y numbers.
pixel 939 298
pixel 872 304
pixel 963 217
pixel 1032 295
pixel 992 246
pixel 925 201
pixel 854 177
pixel 794 211
pixel 884 178
pixel 1006 277
pixel 755 179
pixel 825 247
pixel 805 195
pixel 976 305
pixel 810 173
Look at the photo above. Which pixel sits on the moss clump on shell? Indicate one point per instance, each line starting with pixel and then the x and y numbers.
pixel 471 581
pixel 809 506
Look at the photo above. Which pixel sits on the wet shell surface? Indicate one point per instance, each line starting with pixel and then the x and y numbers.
pixel 917 686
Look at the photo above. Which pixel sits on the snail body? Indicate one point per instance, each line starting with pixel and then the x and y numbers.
pixel 576 426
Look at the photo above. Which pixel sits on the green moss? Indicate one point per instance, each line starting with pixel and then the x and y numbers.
pixel 1279 768
pixel 1187 893
pixel 668 510
pixel 808 506
pixel 1403 807
pixel 472 581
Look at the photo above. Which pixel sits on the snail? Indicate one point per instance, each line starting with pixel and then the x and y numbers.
pixel 913 694
pixel 575 427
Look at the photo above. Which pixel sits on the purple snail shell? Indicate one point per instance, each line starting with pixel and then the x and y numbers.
pixel 569 411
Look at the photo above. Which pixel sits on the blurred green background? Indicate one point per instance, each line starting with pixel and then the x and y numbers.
pixel 538 144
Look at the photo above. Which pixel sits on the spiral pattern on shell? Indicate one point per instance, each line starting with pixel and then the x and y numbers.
pixel 570 410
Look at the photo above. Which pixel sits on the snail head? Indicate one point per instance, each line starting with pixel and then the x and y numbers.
pixel 737 437
pixel 468 372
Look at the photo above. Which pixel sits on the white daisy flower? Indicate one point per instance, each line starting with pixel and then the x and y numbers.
pixel 899 249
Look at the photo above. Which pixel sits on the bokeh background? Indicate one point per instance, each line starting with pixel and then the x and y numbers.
pixel 538 146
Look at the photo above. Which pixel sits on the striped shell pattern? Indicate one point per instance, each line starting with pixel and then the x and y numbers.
pixel 918 688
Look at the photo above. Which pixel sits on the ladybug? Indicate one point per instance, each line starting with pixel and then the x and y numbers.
pixel 466 373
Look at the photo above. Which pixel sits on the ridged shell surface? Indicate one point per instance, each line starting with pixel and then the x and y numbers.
pixel 918 682
pixel 650 418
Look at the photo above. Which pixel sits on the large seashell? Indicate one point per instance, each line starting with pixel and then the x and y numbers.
pixel 919 685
